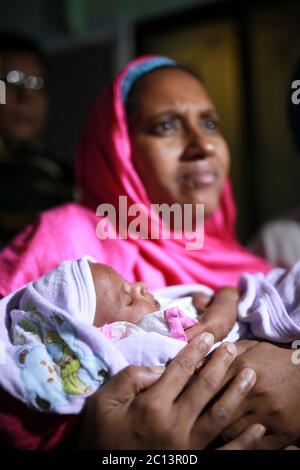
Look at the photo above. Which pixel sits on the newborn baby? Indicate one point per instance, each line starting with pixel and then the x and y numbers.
pixel 120 304
pixel 67 332
pixel 70 330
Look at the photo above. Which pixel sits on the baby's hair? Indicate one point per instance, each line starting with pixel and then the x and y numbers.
pixel 131 101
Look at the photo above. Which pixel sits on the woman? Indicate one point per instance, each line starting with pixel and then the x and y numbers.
pixel 168 148
pixel 147 161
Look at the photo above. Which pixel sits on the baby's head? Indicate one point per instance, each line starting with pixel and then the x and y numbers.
pixel 117 299
pixel 95 293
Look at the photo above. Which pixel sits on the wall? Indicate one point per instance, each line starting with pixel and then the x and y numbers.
pixel 50 18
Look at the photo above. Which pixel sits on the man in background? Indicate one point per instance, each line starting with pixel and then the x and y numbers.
pixel 30 180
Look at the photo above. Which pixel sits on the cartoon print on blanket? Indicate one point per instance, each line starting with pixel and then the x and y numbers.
pixel 50 359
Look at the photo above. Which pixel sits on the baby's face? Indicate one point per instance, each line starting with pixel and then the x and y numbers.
pixel 119 300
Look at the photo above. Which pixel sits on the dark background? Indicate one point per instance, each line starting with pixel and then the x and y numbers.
pixel 245 51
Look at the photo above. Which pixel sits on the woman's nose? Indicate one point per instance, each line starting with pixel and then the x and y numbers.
pixel 198 146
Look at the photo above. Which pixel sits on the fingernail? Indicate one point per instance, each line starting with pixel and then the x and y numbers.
pixel 158 369
pixel 231 348
pixel 249 377
pixel 258 431
pixel 207 338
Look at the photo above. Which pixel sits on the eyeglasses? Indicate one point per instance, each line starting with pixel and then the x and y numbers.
pixel 17 78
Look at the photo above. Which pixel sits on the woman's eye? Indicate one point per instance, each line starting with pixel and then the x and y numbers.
pixel 210 124
pixel 167 127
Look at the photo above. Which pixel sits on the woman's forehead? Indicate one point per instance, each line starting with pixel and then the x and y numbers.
pixel 171 88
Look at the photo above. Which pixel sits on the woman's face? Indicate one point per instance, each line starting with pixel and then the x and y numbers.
pixel 177 147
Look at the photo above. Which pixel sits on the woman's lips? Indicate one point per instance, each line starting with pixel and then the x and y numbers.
pixel 199 177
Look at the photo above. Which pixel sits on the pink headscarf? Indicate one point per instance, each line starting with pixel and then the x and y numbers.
pixel 105 150
pixel 104 171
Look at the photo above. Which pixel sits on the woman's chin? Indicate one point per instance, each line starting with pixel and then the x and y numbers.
pixel 209 198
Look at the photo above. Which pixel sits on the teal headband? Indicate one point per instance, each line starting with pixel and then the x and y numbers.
pixel 141 69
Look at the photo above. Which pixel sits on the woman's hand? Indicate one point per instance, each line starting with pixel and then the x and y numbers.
pixel 145 408
pixel 274 401
pixel 219 313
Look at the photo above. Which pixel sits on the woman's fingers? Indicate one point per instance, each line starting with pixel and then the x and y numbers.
pixel 125 385
pixel 241 420
pixel 219 316
pixel 194 331
pixel 271 442
pixel 242 346
pixel 107 423
pixel 220 414
pixel 201 301
pixel 207 383
pixel 248 440
pixel 180 369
